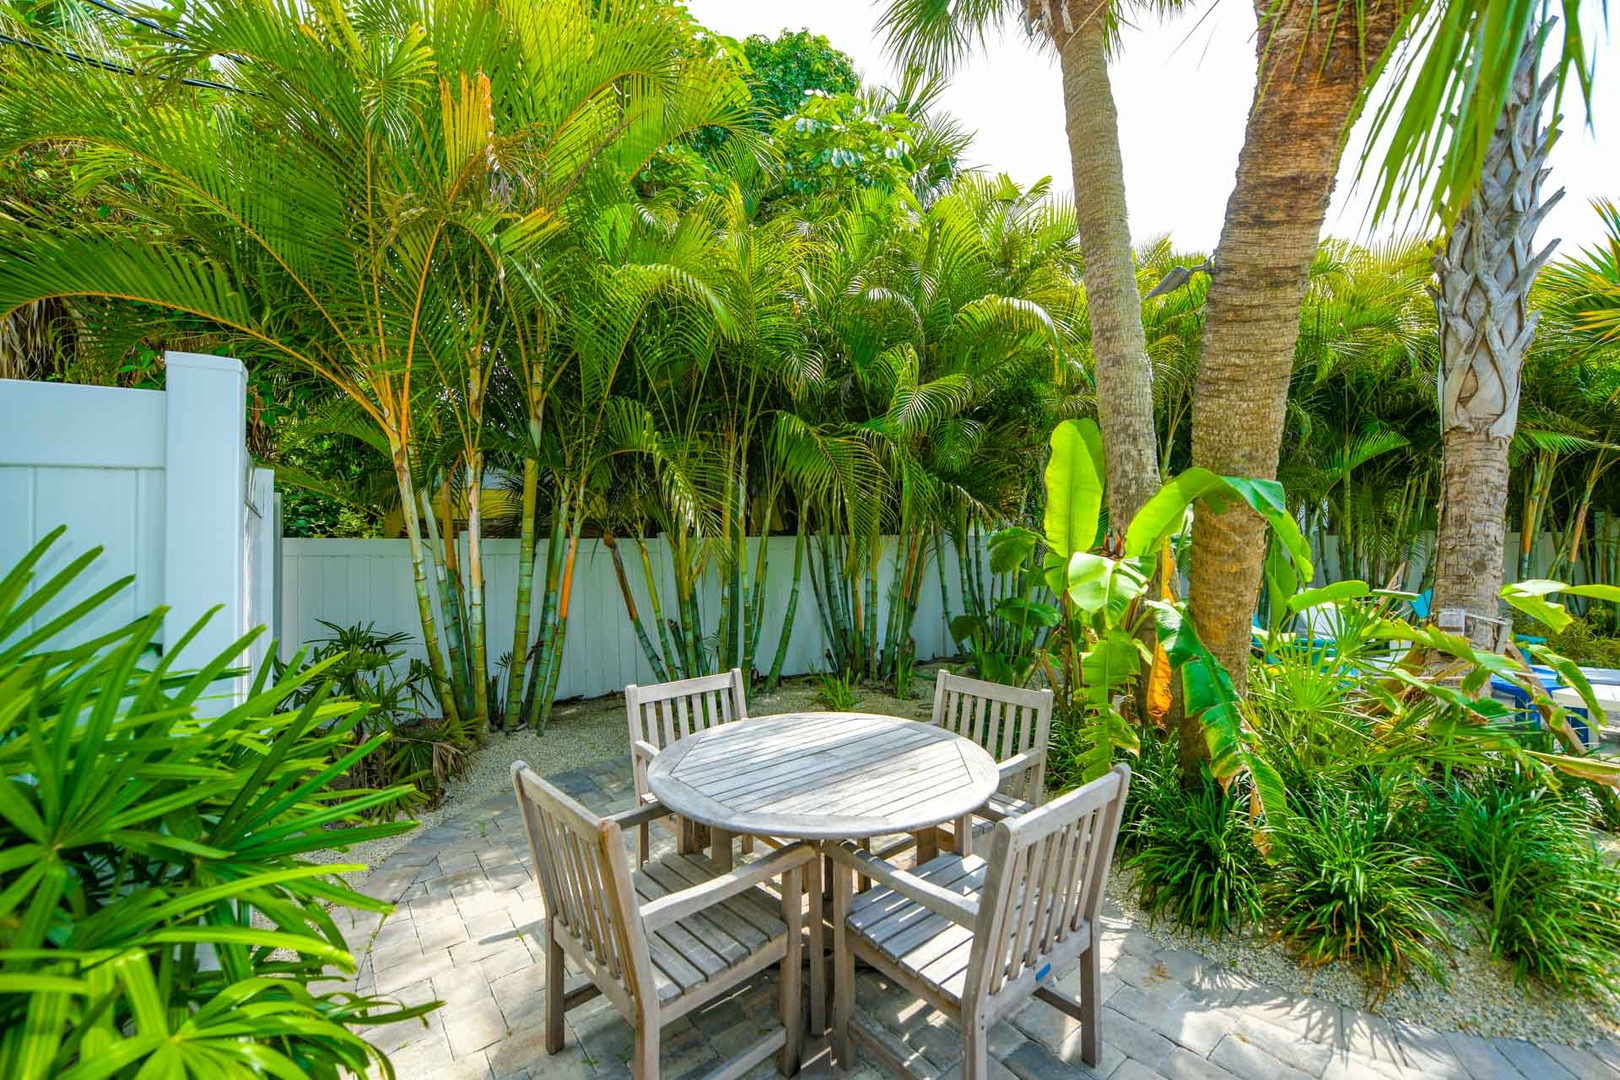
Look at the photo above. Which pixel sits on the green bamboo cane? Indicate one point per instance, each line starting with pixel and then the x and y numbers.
pixel 437 670
pixel 475 588
pixel 672 656
pixel 560 635
pixel 449 603
pixel 630 607
pixel 792 607
pixel 548 611
pixel 525 595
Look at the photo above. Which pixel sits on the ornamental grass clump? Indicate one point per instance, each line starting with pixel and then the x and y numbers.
pixel 1191 849
pixel 1551 903
pixel 1348 888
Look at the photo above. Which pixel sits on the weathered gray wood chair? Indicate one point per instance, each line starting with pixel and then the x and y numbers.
pixel 669 937
pixel 665 712
pixel 1012 723
pixel 975 937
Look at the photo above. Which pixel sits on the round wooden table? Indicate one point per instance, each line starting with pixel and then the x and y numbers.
pixel 824 776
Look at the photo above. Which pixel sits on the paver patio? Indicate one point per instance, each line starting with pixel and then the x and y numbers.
pixel 464 933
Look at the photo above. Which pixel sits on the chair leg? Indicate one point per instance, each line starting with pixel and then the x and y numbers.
pixel 792 980
pixel 644 1065
pixel 975 1049
pixel 843 969
pixel 818 950
pixel 862 882
pixel 556 976
pixel 1090 999
pixel 644 843
pixel 747 844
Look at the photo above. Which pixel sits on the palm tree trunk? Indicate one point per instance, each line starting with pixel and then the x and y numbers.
pixel 1486 324
pixel 438 673
pixel 445 577
pixel 525 595
pixel 1124 375
pixel 1312 63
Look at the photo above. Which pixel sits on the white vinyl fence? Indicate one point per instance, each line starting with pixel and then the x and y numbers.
pixel 162 481
pixel 345 582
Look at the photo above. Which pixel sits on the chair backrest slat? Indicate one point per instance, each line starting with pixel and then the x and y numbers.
pixel 667 712
pixel 1005 720
pixel 1046 875
pixel 585 892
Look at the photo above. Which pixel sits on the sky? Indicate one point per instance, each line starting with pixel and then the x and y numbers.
pixel 1183 90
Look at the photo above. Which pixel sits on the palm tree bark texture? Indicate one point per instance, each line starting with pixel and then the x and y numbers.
pixel 1313 61
pixel 1124 375
pixel 1483 301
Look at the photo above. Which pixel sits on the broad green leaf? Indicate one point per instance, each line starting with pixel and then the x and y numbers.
pixel 1074 488
pixel 1530 598
pixel 1010 548
pixel 1328 594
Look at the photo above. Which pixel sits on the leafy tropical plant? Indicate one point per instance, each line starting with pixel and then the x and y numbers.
pixel 158 911
pixel 370 668
pixel 1350 886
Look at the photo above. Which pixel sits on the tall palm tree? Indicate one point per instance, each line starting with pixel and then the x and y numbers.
pixel 1313 63
pixel 941 36
pixel 1486 325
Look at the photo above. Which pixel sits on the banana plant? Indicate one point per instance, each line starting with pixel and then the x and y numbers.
pixel 1112 628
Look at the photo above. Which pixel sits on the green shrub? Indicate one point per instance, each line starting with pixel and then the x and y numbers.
pixel 425 751
pixel 1348 887
pixel 157 913
pixel 1584 642
pixel 1552 904
pixel 839 692
pixel 1191 849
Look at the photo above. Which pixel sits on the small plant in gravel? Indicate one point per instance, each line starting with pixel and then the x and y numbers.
pixel 839 691
pixel 1349 887
pixel 1191 849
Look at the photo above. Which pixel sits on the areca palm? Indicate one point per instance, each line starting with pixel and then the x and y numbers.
pixel 355 207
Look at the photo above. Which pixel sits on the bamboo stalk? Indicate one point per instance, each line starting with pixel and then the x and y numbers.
pixel 672 656
pixel 449 603
pixel 424 603
pixel 792 608
pixel 647 648
pixel 525 595
pixel 560 635
pixel 475 587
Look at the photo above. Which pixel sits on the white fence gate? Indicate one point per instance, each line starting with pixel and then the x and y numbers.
pixel 162 481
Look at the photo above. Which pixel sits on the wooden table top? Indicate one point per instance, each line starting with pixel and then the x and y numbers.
pixel 823 776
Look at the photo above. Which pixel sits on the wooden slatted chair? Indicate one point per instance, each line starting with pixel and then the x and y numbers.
pixel 975 937
pixel 1012 723
pixel 665 712
pixel 669 937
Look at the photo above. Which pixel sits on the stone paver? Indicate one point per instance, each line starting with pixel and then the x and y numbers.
pixel 464 933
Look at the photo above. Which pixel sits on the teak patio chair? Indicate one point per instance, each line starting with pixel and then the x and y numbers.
pixel 1013 724
pixel 665 712
pixel 975 937
pixel 666 939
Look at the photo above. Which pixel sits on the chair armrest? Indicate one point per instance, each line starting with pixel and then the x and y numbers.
pixel 953 906
pixel 641 748
pixel 651 810
pixel 659 913
pixel 1021 763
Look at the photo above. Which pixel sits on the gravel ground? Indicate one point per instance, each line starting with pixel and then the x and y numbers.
pixel 1481 996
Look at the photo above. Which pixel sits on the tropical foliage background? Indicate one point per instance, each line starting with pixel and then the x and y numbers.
pixel 574 269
